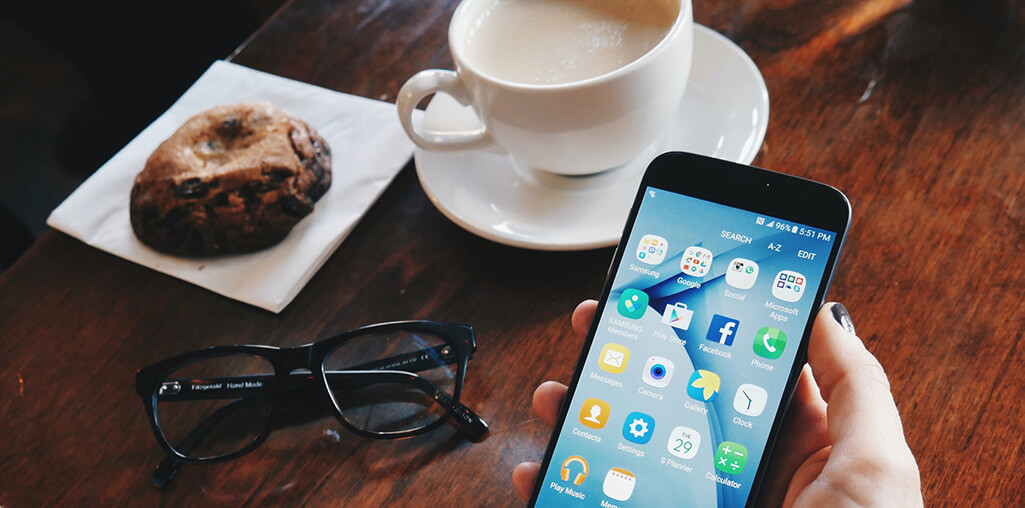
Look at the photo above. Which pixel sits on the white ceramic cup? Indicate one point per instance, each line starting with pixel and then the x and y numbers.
pixel 573 128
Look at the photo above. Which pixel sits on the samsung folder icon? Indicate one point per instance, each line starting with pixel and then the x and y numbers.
pixel 677 315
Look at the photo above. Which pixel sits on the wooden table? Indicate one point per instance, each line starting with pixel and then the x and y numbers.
pixel 916 110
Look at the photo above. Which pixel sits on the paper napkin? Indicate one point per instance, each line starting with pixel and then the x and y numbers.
pixel 368 148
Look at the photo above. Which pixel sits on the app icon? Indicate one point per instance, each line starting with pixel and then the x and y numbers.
pixel 658 371
pixel 613 358
pixel 565 472
pixel 789 286
pixel 684 442
pixel 742 273
pixel 652 249
pixel 595 413
pixel 696 261
pixel 633 303
pixel 677 315
pixel 722 330
pixel 638 427
pixel 770 342
pixel 619 484
pixel 750 399
pixel 730 457
pixel 703 385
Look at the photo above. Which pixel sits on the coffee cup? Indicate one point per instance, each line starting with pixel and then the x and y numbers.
pixel 571 87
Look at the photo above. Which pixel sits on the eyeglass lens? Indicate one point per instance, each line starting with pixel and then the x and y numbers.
pixel 385 405
pixel 216 406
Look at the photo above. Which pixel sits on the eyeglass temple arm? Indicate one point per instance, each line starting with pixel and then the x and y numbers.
pixel 259 384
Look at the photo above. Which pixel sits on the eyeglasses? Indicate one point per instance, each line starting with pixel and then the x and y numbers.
pixel 384 381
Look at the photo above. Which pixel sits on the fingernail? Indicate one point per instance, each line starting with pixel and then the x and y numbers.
pixel 843 317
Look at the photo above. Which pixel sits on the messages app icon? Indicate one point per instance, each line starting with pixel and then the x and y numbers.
pixel 633 303
pixel 613 358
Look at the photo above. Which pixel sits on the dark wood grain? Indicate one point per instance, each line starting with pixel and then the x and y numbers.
pixel 915 109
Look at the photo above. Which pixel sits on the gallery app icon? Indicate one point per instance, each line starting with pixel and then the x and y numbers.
pixel 750 399
pixel 595 413
pixel 658 371
pixel 789 286
pixel 696 261
pixel 684 442
pixel 638 427
pixel 703 385
pixel 722 330
pixel 730 457
pixel 770 342
pixel 613 358
pixel 633 303
pixel 677 315
pixel 741 273
pixel 652 249
pixel 619 484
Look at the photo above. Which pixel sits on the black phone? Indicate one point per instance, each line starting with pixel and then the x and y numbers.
pixel 699 338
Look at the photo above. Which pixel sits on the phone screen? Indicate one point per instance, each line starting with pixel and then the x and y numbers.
pixel 691 357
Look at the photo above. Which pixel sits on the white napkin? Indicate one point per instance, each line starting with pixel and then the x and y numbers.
pixel 368 148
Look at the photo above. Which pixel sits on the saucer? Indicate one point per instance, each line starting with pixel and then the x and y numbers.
pixel 724 113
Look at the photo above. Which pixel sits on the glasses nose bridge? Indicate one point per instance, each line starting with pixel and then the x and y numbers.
pixel 299 357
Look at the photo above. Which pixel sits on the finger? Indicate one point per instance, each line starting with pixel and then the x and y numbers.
pixel 583 315
pixel 863 418
pixel 547 401
pixel 804 432
pixel 523 477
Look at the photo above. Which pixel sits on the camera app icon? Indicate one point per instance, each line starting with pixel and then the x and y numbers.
pixel 658 371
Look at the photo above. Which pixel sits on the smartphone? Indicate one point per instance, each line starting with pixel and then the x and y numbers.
pixel 699 338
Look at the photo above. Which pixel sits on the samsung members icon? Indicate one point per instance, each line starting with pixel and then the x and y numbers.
pixel 633 303
pixel 742 273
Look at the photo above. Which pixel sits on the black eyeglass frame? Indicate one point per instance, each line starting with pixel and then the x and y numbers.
pixel 286 361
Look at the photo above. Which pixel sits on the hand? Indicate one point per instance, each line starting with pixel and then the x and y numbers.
pixel 842 442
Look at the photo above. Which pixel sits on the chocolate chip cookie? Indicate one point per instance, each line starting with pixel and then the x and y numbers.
pixel 232 179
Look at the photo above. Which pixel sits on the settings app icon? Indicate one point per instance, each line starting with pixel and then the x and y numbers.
pixel 638 427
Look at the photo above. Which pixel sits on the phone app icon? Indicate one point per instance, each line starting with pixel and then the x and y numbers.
pixel 658 371
pixel 722 330
pixel 684 442
pixel 770 342
pixel 696 261
pixel 619 484
pixel 571 461
pixel 677 315
pixel 750 399
pixel 595 413
pixel 638 427
pixel 730 457
pixel 633 303
pixel 789 286
pixel 652 249
pixel 613 358
pixel 703 385
pixel 742 273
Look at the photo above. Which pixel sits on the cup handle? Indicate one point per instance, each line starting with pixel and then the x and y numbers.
pixel 425 83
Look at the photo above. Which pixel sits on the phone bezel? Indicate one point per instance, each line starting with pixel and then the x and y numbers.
pixel 746 188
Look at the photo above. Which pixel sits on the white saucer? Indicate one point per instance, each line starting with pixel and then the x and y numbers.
pixel 724 114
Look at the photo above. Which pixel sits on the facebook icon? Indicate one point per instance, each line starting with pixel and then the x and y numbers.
pixel 722 330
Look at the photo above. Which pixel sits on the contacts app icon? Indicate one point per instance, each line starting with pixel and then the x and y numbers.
pixel 594 413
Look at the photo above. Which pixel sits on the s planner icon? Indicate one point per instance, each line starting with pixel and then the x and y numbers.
pixel 652 249
pixel 722 330
pixel 633 303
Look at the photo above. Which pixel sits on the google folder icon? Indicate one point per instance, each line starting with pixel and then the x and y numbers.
pixel 677 315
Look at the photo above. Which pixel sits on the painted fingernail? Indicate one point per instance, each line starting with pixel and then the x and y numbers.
pixel 843 317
